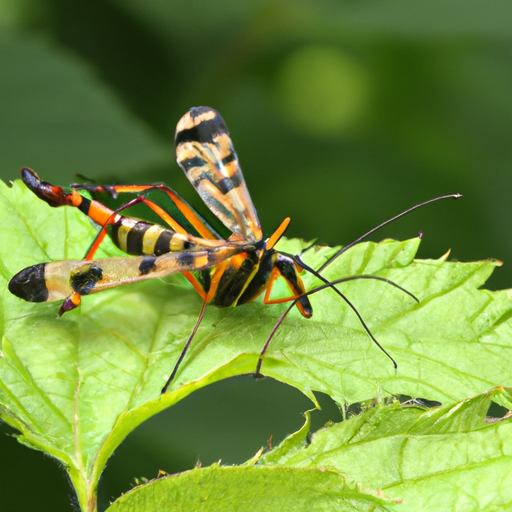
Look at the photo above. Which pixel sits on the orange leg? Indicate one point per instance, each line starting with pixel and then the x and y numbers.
pixel 195 220
pixel 114 218
pixel 159 211
pixel 297 293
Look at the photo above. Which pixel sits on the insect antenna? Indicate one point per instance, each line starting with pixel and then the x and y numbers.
pixel 317 274
pixel 361 238
pixel 331 284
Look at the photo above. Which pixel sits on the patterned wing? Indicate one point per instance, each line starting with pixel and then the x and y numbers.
pixel 205 152
pixel 59 279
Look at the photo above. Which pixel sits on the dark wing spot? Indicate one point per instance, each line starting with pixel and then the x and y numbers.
pixel 199 111
pixel 230 158
pixel 191 163
pixel 186 260
pixel 84 279
pixel 29 284
pixel 227 184
pixel 147 265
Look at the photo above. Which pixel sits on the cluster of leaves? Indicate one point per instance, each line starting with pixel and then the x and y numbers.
pixel 97 87
pixel 76 387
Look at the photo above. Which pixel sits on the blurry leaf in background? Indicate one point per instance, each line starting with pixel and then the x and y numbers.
pixel 323 91
pixel 60 119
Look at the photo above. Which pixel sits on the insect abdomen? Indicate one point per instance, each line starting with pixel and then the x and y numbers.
pixel 141 238
pixel 136 237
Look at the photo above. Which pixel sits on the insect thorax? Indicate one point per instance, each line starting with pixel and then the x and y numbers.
pixel 240 279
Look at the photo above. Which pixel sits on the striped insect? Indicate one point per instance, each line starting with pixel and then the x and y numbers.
pixel 225 273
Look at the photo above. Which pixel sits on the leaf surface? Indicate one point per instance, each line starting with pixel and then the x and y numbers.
pixel 397 458
pixel 449 458
pixel 77 386
pixel 250 488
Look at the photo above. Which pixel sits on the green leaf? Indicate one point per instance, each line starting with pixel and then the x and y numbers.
pixel 292 444
pixel 251 488
pixel 397 457
pixel 75 387
pixel 445 459
pixel 59 118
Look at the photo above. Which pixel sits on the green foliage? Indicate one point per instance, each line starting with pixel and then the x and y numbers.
pixel 256 488
pixel 342 113
pixel 106 136
pixel 448 458
pixel 75 387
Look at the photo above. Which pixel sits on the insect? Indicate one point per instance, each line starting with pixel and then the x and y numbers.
pixel 225 273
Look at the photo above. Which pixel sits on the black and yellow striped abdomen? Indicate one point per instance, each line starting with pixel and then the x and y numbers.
pixel 139 238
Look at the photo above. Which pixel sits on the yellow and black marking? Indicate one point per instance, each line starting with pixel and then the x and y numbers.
pixel 224 272
pixel 138 237
pixel 205 153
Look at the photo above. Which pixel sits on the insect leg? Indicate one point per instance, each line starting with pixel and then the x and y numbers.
pixel 189 213
pixel 288 272
pixel 185 348
pixel 71 302
pixel 113 218
pixel 257 373
pixel 331 284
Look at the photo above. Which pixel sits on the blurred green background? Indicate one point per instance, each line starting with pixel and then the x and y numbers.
pixel 342 113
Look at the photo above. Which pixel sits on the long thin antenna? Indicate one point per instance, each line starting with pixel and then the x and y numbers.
pixel 331 284
pixel 317 274
pixel 361 238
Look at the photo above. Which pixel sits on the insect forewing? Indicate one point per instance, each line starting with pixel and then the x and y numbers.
pixel 205 152
pixel 58 279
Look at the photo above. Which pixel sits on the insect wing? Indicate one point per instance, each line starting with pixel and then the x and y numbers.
pixel 59 279
pixel 205 153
